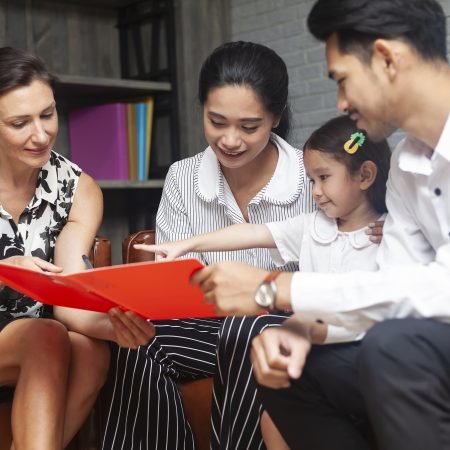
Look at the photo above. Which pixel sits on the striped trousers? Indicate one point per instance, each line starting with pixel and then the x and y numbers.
pixel 144 410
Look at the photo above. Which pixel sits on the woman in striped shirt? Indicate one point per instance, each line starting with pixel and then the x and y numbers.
pixel 248 173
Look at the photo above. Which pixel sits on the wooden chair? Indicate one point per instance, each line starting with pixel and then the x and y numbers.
pixel 87 437
pixel 196 395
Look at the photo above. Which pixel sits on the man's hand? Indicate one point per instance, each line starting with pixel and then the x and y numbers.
pixel 231 287
pixel 375 230
pixel 130 329
pixel 278 355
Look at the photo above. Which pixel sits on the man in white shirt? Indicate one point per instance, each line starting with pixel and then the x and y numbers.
pixel 388 58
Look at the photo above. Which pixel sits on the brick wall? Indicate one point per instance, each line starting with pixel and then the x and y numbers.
pixel 281 25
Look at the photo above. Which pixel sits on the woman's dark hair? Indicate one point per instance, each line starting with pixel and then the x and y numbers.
pixel 331 137
pixel 358 23
pixel 20 68
pixel 253 65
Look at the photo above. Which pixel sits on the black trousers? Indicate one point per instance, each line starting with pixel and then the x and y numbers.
pixel 396 383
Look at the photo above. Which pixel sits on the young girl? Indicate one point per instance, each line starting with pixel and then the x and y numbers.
pixel 349 174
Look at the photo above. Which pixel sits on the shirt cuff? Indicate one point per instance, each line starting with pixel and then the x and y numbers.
pixel 337 335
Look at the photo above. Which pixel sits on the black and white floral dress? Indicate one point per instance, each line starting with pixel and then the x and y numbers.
pixel 38 228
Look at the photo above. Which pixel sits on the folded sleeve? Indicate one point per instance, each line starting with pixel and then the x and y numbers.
pixel 288 235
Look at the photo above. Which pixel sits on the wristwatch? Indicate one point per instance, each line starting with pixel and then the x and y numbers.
pixel 266 293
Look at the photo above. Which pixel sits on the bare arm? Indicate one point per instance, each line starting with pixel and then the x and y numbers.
pixel 76 239
pixel 235 237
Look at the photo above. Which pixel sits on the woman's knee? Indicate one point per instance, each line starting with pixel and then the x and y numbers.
pixel 47 339
pixel 238 332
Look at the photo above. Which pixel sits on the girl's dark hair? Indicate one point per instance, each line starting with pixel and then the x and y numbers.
pixel 331 137
pixel 253 65
pixel 20 68
pixel 358 23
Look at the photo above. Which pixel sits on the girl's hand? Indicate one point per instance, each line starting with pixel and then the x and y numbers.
pixel 168 251
pixel 32 263
pixel 130 329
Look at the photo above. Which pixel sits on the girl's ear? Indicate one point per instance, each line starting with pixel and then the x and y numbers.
pixel 367 173
pixel 276 122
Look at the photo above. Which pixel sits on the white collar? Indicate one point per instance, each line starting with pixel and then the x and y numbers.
pixel 325 230
pixel 443 145
pixel 284 187
pixel 416 157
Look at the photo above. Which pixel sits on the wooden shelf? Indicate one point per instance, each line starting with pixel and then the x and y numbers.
pixel 77 89
pixel 101 3
pixel 126 184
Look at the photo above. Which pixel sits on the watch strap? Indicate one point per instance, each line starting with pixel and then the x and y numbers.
pixel 271 277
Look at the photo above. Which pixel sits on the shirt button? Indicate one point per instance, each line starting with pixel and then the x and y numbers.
pixel 437 191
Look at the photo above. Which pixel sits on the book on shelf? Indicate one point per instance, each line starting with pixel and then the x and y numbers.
pixel 157 290
pixel 141 139
pixel 132 142
pixel 144 124
pixel 98 140
pixel 148 136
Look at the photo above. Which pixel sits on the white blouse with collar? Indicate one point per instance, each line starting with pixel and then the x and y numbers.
pixel 315 241
pixel 197 199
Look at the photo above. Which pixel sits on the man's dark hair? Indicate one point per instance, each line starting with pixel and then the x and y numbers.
pixel 358 23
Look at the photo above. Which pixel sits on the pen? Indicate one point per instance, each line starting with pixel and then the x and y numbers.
pixel 87 263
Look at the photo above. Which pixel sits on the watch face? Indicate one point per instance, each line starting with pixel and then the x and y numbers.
pixel 264 295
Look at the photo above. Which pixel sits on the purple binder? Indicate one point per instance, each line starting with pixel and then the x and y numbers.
pixel 98 141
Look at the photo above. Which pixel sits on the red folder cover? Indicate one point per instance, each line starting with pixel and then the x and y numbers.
pixel 157 290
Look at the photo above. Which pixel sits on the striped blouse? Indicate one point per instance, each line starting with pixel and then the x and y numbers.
pixel 197 199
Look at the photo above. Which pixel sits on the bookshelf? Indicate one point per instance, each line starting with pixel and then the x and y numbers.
pixel 128 205
pixel 118 184
pixel 144 69
pixel 73 91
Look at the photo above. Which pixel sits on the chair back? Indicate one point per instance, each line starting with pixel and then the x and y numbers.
pixel 100 254
pixel 132 255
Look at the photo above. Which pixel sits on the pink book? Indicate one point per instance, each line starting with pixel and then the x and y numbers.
pixel 98 140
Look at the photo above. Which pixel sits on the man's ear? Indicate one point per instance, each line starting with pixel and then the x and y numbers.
pixel 367 173
pixel 386 53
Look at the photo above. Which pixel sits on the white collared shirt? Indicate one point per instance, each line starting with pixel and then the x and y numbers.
pixel 315 241
pixel 414 256
pixel 197 199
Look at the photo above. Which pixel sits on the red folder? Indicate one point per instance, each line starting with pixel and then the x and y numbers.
pixel 157 290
